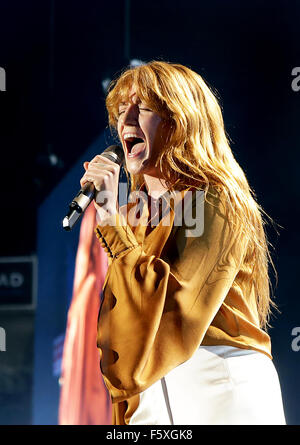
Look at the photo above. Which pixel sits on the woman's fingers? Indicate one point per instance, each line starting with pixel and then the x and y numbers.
pixel 96 160
pixel 104 174
pixel 101 168
pixel 98 173
pixel 101 159
pixel 94 174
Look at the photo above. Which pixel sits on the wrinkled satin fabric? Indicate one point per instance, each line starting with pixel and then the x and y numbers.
pixel 167 292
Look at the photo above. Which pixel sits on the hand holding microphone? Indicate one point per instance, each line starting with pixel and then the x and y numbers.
pixel 100 182
pixel 104 174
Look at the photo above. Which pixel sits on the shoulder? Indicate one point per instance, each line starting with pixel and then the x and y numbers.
pixel 209 204
pixel 207 217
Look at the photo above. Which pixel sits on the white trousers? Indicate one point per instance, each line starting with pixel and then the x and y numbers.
pixel 219 385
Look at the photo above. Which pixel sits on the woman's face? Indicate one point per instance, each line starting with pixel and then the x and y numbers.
pixel 142 134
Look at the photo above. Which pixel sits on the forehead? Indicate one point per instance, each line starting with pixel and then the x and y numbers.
pixel 129 95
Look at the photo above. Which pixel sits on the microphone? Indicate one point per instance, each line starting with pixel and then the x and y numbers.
pixel 87 193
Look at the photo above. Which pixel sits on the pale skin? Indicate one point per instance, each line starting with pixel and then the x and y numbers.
pixel 135 118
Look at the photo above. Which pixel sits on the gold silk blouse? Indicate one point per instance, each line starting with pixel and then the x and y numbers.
pixel 166 293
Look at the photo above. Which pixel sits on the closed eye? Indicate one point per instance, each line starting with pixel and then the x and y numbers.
pixel 120 112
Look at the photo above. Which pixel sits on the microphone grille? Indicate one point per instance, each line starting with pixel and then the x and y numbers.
pixel 114 153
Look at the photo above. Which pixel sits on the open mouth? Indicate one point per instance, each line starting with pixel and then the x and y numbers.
pixel 134 145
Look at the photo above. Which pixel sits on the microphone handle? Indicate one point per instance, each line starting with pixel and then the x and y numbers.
pixel 79 204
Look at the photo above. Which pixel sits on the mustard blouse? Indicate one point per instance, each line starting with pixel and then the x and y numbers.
pixel 169 290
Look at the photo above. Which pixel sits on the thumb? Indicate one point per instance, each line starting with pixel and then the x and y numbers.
pixel 85 165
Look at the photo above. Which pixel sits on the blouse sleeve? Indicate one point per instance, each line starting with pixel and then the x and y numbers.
pixel 156 310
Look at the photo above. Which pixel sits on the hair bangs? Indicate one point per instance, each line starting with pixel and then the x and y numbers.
pixel 148 90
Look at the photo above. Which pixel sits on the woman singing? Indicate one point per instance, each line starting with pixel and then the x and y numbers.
pixel 182 324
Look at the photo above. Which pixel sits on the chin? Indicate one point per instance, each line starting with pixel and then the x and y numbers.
pixel 138 167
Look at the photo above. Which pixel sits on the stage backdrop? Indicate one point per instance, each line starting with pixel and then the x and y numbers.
pixel 60 323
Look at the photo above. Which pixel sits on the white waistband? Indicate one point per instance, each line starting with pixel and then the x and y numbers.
pixel 228 351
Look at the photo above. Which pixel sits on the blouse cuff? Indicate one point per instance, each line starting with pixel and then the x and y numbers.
pixel 115 236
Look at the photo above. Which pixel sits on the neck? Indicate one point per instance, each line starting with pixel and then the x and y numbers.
pixel 155 186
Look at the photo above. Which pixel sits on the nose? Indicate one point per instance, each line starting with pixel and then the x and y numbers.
pixel 130 116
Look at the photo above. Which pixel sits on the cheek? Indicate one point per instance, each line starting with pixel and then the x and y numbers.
pixel 119 129
pixel 160 135
pixel 154 128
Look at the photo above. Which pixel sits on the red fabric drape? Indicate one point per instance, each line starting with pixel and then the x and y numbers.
pixel 84 399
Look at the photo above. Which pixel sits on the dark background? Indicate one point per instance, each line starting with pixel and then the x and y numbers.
pixel 56 55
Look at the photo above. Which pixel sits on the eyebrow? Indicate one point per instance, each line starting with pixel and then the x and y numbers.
pixel 139 101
